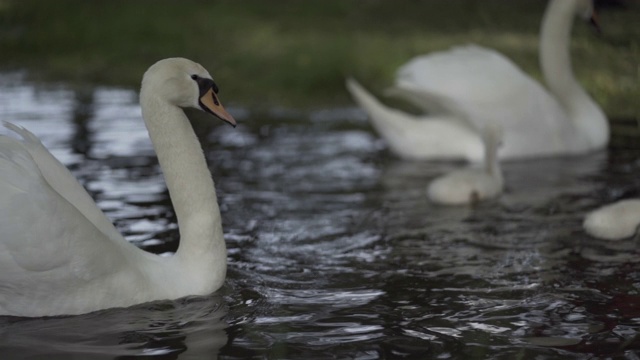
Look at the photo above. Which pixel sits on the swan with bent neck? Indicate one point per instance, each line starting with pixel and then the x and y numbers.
pixel 467 87
pixel 59 253
pixel 469 186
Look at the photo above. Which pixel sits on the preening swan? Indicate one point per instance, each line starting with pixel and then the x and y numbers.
pixel 472 185
pixel 614 221
pixel 59 254
pixel 469 86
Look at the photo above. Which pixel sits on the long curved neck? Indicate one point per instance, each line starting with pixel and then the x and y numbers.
pixel 189 183
pixel 492 163
pixel 555 60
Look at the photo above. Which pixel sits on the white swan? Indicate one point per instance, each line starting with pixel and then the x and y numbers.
pixel 59 254
pixel 472 185
pixel 466 87
pixel 614 221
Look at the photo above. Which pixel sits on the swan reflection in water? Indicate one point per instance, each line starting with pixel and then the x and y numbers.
pixel 189 328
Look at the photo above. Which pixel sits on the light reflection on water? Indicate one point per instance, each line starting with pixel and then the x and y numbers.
pixel 334 250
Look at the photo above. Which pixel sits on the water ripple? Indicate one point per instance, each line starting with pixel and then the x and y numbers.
pixel 334 250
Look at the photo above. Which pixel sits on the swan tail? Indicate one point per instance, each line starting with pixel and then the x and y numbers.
pixel 25 134
pixel 365 99
pixel 385 119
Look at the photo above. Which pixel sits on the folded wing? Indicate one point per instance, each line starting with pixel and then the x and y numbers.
pixel 46 242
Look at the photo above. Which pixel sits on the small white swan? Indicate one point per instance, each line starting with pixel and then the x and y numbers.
pixel 467 87
pixel 472 185
pixel 59 254
pixel 615 221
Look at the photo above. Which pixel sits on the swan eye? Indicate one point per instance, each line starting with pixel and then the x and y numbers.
pixel 194 77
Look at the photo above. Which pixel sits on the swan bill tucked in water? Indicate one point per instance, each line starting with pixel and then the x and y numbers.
pixel 59 253
pixel 467 87
pixel 469 186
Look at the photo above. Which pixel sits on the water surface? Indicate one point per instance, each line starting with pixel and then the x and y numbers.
pixel 334 251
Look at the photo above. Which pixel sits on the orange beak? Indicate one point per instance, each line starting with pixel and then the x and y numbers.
pixel 209 102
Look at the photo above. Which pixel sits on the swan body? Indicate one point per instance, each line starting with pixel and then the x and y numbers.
pixel 469 86
pixel 615 221
pixel 472 185
pixel 60 255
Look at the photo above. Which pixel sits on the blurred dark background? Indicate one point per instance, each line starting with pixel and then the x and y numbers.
pixel 297 53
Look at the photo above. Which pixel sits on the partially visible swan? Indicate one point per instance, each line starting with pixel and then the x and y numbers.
pixel 60 255
pixel 468 86
pixel 614 221
pixel 472 185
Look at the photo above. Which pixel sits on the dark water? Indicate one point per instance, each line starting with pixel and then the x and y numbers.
pixel 334 251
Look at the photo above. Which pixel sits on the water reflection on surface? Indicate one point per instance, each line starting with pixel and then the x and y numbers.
pixel 189 329
pixel 334 251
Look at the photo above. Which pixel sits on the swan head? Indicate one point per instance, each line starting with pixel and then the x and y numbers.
pixel 585 10
pixel 186 84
